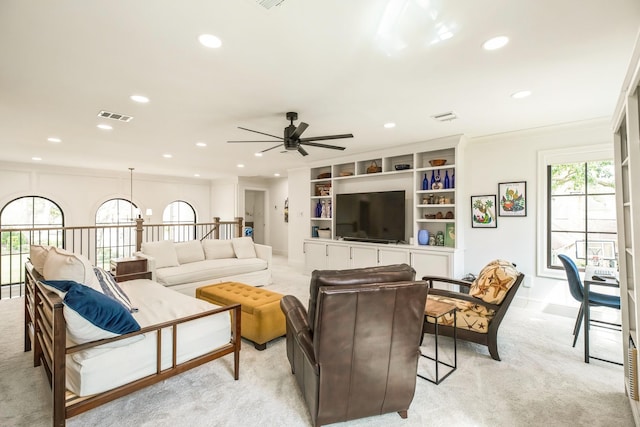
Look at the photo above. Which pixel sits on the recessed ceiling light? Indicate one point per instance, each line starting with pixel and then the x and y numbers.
pixel 167 156
pixel 196 175
pixel 276 174
pixel 240 165
pixel 495 43
pixel 37 159
pixel 389 125
pixel 209 40
pixel 139 98
pixel 521 94
pixel 258 154
pixel 54 140
pixel 201 144
pixel 104 127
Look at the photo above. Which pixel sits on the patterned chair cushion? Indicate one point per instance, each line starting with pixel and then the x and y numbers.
pixel 474 317
pixel 494 281
pixel 491 286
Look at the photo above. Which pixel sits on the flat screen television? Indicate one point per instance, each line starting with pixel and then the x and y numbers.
pixel 371 217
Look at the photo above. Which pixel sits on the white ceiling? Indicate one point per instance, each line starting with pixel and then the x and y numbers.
pixel 344 66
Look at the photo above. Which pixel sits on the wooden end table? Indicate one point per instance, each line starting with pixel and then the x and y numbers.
pixel 129 268
pixel 436 309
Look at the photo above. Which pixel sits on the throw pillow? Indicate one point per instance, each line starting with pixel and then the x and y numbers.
pixel 163 251
pixel 111 289
pixel 92 316
pixel 190 251
pixel 38 256
pixel 64 265
pixel 243 247
pixel 218 249
pixel 494 281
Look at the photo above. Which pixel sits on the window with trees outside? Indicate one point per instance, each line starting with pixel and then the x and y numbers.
pixel 119 240
pixel 581 210
pixel 30 216
pixel 179 219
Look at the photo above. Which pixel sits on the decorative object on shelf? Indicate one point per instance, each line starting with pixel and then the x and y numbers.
pixel 447 183
pixel 442 200
pixel 402 167
pixel 318 210
pixel 513 198
pixel 430 216
pixel 286 210
pixel 433 179
pixel 440 238
pixel 432 240
pixel 425 201
pixel 423 237
pixel 483 211
pixel 449 215
pixel 450 234
pixel 314 231
pixel 432 199
pixel 439 215
pixel 374 168
pixel 436 182
pixel 323 210
pixel 437 162
pixel 346 173
pixel 328 208
pixel 324 175
pixel 425 182
pixel 323 189
pixel 453 179
pixel 324 233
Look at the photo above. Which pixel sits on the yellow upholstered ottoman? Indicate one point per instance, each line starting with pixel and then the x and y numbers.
pixel 262 318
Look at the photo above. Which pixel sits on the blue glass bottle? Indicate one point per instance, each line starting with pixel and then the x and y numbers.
pixel 433 178
pixel 453 180
pixel 318 209
pixel 446 180
pixel 425 183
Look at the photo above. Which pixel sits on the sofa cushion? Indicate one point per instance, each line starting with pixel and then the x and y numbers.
pixel 474 317
pixel 494 281
pixel 243 247
pixel 64 265
pixel 218 249
pixel 163 251
pixel 190 251
pixel 111 289
pixel 38 256
pixel 208 269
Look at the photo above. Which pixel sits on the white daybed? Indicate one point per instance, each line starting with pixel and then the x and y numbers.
pixel 176 333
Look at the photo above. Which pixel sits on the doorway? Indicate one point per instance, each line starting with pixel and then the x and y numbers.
pixel 255 213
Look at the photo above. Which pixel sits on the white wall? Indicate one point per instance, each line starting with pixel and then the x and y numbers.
pixel 279 230
pixel 513 157
pixel 79 192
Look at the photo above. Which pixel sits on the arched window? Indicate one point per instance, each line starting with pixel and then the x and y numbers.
pixel 182 218
pixel 26 215
pixel 118 241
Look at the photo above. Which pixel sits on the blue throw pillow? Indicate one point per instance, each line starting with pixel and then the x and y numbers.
pixel 92 316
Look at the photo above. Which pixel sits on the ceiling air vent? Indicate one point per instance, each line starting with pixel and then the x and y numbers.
pixel 114 116
pixel 445 117
pixel 268 4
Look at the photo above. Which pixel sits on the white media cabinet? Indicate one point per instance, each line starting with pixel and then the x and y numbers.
pixel 353 175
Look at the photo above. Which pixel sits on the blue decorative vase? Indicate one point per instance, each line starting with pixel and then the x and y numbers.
pixel 425 183
pixel 446 179
pixel 423 237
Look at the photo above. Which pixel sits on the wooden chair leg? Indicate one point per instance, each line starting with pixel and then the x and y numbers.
pixel 403 414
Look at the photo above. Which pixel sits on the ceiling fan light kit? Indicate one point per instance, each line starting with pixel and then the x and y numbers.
pixel 292 140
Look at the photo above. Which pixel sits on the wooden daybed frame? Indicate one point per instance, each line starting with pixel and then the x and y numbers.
pixel 46 333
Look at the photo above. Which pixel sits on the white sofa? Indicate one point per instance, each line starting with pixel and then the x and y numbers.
pixel 185 266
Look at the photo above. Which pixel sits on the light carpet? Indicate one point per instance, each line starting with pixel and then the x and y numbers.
pixel 541 381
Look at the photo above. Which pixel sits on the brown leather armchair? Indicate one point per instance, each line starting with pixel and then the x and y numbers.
pixel 355 353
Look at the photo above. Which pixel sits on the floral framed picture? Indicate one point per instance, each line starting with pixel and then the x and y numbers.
pixel 483 211
pixel 513 198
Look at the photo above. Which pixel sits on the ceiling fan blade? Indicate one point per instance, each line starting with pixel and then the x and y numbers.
pixel 301 128
pixel 261 133
pixel 313 144
pixel 248 141
pixel 302 151
pixel 323 138
pixel 269 149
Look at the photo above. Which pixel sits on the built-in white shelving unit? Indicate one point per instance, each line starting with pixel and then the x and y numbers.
pixel 627 158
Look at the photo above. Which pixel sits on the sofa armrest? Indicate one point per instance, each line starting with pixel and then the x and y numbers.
pixel 264 252
pixel 296 316
pixel 151 263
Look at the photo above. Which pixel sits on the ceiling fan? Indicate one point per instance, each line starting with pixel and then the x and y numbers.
pixel 292 140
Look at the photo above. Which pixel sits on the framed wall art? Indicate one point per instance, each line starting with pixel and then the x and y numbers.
pixel 512 198
pixel 483 211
